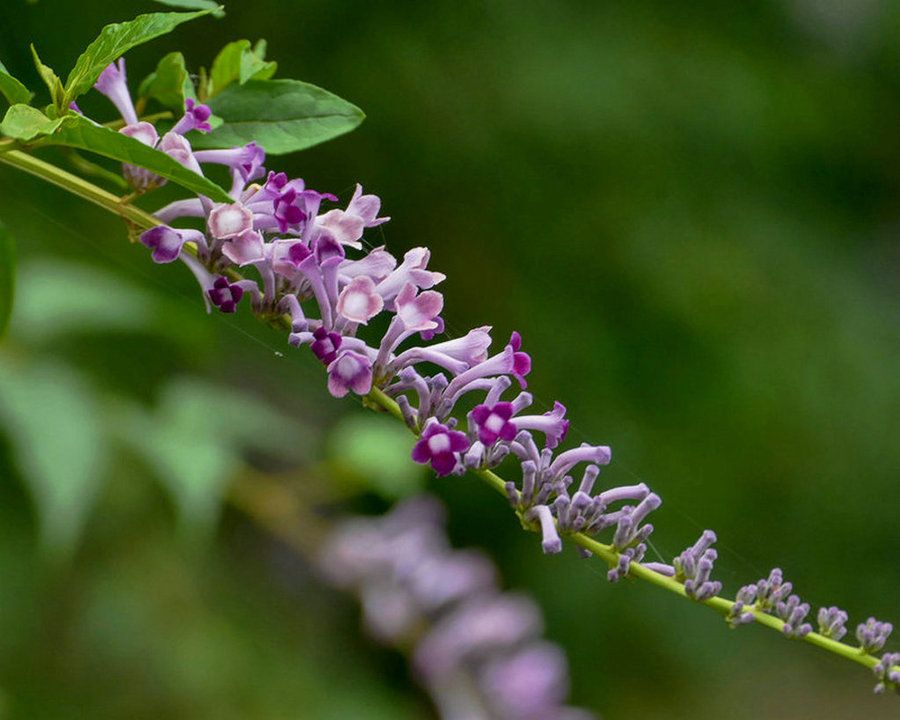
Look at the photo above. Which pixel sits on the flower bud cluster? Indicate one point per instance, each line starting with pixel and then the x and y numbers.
pixel 832 621
pixel 694 567
pixel 888 673
pixel 872 635
pixel 470 643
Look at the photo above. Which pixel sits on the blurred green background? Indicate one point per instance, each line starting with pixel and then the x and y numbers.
pixel 691 215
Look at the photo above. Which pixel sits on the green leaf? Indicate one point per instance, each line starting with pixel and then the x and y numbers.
pixel 25 123
pixel 195 437
pixel 7 278
pixel 280 115
pixel 52 422
pixel 366 452
pixel 217 10
pixel 237 61
pixel 254 65
pixel 57 300
pixel 51 80
pixel 13 90
pixel 114 40
pixel 170 84
pixel 79 132
pixel 226 67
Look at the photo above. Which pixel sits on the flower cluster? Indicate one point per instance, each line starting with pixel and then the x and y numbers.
pixel 302 252
pixel 311 267
pixel 477 650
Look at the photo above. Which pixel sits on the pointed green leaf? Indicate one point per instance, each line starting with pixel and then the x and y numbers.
pixel 217 10
pixel 51 80
pixel 280 115
pixel 13 90
pixel 254 66
pixel 7 278
pixel 114 40
pixel 25 123
pixel 170 84
pixel 238 62
pixel 79 132
pixel 226 67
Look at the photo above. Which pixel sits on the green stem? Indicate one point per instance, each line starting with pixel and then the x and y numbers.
pixel 378 398
pixel 78 186
pixel 611 556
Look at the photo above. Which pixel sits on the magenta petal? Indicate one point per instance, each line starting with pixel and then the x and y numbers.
pixel 503 410
pixel 508 433
pixel 480 414
pixel 458 441
pixel 443 463
pixel 420 452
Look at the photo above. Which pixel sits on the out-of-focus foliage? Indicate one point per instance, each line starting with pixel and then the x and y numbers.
pixel 691 215
pixel 7 278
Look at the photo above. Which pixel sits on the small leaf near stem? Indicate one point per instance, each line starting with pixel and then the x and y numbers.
pixel 12 89
pixel 114 40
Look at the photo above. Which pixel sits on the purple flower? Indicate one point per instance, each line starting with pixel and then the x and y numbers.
pixel 195 118
pixel 410 272
pixel 439 446
pixel 325 345
pixel 286 211
pixel 378 264
pixel 455 355
pixel 348 225
pixel 358 301
pixel 246 159
pixel 286 256
pixel 493 422
pixel 141 179
pixel 142 131
pixel 417 311
pixel 167 242
pixel 114 84
pixel 229 220
pixel 521 360
pixel 350 371
pixel 245 248
pixel 550 540
pixel 481 626
pixel 444 606
pixel 531 683
pixel 179 149
pixel 225 295
pixel 552 424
